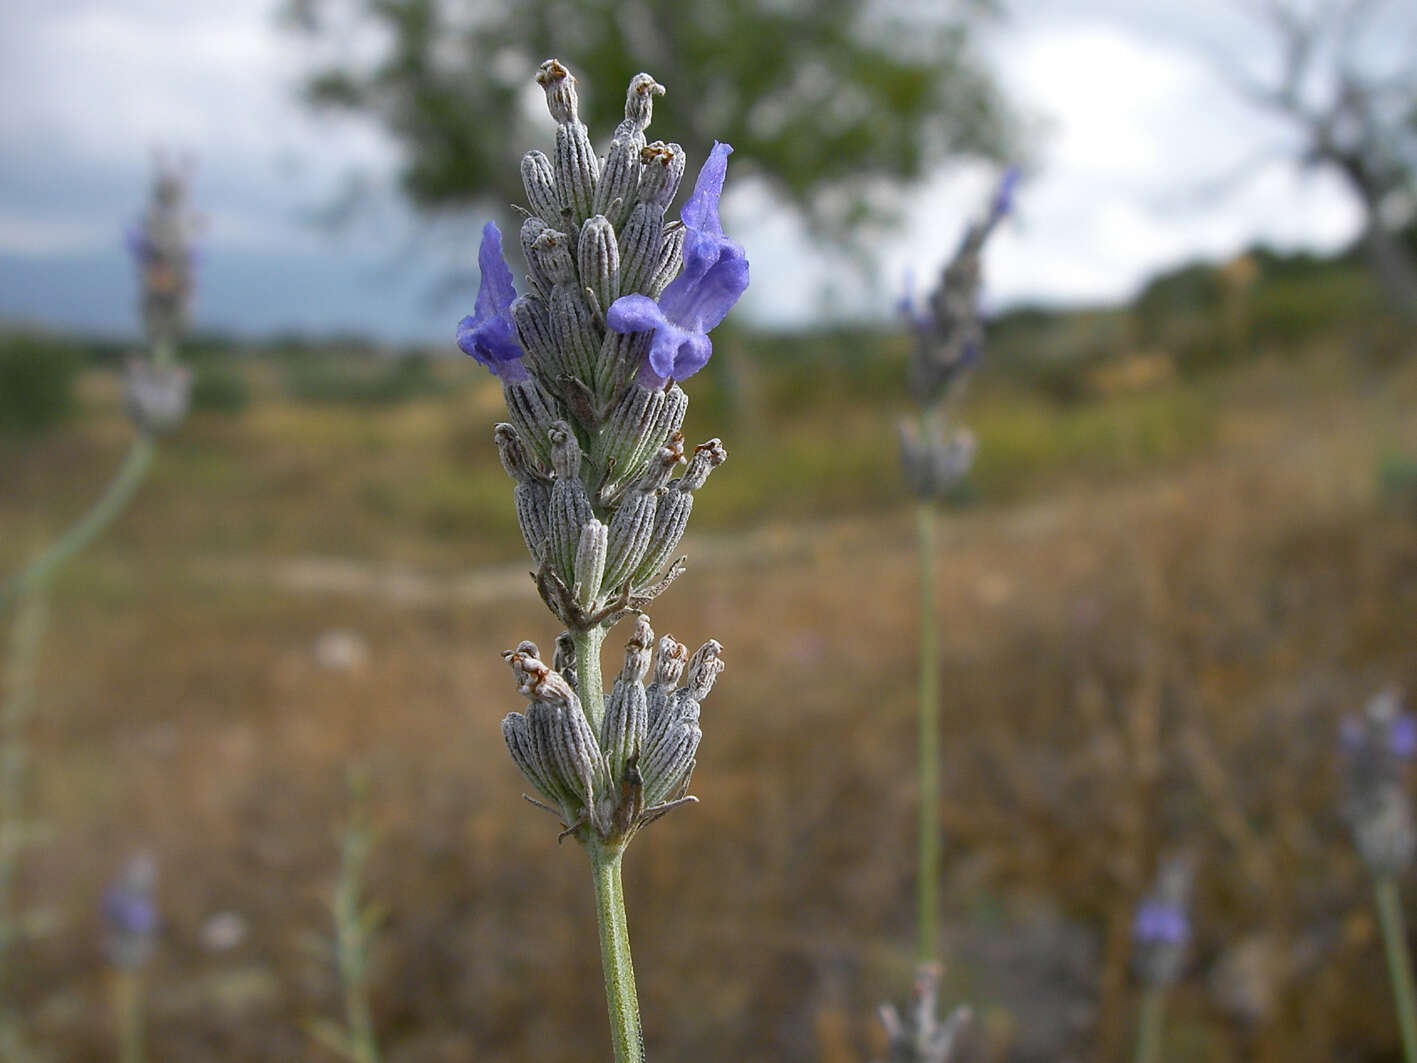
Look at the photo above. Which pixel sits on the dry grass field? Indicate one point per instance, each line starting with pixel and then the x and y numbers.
pixel 1154 614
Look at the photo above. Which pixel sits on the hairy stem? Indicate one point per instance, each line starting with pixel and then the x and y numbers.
pixel 589 686
pixel 621 997
pixel 353 925
pixel 928 745
pixel 130 474
pixel 1149 1024
pixel 1399 963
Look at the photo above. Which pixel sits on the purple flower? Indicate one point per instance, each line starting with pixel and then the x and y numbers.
pixel 129 912
pixel 1004 197
pixel 1158 922
pixel 715 274
pixel 1402 736
pixel 138 244
pixel 488 333
pixel 908 307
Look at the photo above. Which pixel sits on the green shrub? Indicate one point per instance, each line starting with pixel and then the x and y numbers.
pixel 1397 481
pixel 36 382
pixel 220 389
pixel 357 381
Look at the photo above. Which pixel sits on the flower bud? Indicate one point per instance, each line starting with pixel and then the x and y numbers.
pixel 539 179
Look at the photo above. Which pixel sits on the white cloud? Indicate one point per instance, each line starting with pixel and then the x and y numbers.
pixel 1140 124
pixel 46 237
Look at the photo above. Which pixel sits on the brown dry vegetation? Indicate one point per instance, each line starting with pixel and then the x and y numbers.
pixel 1151 627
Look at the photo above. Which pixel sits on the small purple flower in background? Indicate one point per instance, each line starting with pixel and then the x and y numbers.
pixel 1402 736
pixel 1161 928
pixel 1375 744
pixel 130 912
pixel 714 276
pixel 1159 922
pixel 1383 730
pixel 488 333
pixel 1004 195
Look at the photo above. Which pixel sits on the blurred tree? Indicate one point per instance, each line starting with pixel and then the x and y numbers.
pixel 1353 116
pixel 834 103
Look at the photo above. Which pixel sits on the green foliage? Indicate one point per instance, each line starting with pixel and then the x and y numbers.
pixel 220 389
pixel 36 382
pixel 1302 306
pixel 349 381
pixel 823 100
pixel 1397 481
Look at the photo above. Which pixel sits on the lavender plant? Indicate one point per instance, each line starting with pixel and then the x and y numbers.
pixel 1377 745
pixel 131 917
pixel 356 921
pixel 1161 934
pixel 155 389
pixel 617 311
pixel 156 393
pixel 918 1036
pixel 936 455
pixel 949 337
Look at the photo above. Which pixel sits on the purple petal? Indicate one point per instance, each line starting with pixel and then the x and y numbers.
pixel 1004 197
pixel 674 352
pixel 496 290
pixel 492 342
pixel 488 334
pixel 635 313
pixel 129 913
pixel 700 304
pixel 1402 736
pixel 700 211
pixel 1159 922
pixel 678 352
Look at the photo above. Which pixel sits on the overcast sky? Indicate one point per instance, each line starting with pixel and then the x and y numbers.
pixel 1135 126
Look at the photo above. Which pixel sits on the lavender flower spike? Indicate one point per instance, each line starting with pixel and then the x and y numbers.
pixel 488 333
pixel 715 275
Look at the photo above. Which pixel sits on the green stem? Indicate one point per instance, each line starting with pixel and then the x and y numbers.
pixel 130 474
pixel 353 924
pixel 26 634
pixel 1399 963
pixel 127 992
pixel 589 685
pixel 928 745
pixel 621 997
pixel 1150 1023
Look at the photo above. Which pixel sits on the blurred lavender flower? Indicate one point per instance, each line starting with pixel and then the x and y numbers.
pixel 919 1037
pixel 1376 745
pixel 950 333
pixel 130 913
pixel 157 397
pixel 949 342
pixel 161 244
pixel 1161 928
